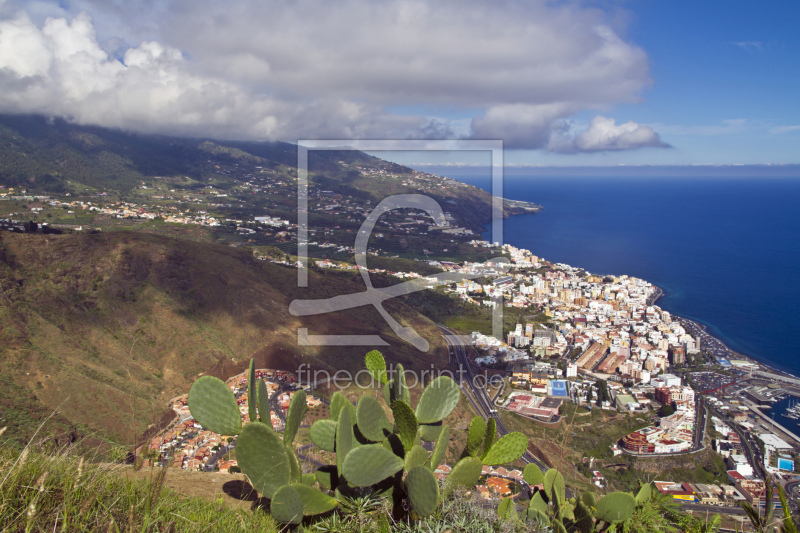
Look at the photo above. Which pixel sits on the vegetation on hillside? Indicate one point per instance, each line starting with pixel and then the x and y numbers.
pixel 108 327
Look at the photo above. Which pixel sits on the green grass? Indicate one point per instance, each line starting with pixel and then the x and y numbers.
pixel 468 324
pixel 58 491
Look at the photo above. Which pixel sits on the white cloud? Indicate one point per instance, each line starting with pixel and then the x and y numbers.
pixel 316 69
pixel 783 129
pixel 725 127
pixel 750 46
pixel 604 134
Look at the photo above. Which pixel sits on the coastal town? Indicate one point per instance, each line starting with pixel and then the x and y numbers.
pixel 588 341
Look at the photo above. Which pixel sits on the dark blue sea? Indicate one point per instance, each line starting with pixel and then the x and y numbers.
pixel 726 251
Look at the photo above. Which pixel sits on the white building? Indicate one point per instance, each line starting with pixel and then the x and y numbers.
pixel 572 370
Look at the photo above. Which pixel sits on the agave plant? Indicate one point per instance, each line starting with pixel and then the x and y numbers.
pixel 376 455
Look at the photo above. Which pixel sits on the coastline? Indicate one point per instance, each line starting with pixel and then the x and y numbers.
pixel 659 293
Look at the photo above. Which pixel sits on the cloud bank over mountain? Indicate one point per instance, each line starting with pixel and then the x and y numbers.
pixel 312 69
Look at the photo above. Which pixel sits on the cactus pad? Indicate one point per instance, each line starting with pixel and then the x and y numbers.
pixel 538 503
pixel 339 402
pixel 416 456
pixel 438 400
pixel 376 365
pixel 406 423
pixel 287 505
pixel 297 410
pixel 488 441
pixel 314 501
pixel 533 475
pixel 345 441
pixel 368 465
pixel 323 435
pixel 252 391
pixel 295 473
pixel 644 494
pixel 399 388
pixel 554 485
pixel 423 490
pixel 465 474
pixel 214 407
pixel 589 499
pixel 372 421
pixel 537 516
pixel 615 507
pixel 507 510
pixel 508 449
pixel 440 449
pixel 430 432
pixel 327 476
pixel 308 479
pixel 263 403
pixel 263 458
pixel 475 434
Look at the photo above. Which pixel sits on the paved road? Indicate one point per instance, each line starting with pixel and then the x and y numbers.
pixel 713 509
pixel 275 405
pixel 478 397
pixel 745 441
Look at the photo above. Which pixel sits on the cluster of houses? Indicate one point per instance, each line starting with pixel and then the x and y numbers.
pixel 187 445
pixel 498 481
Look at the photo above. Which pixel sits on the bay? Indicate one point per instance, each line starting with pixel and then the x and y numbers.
pixel 726 251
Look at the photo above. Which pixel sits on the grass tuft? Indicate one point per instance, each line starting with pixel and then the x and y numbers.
pixel 61 492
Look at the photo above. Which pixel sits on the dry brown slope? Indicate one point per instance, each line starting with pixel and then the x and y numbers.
pixel 105 325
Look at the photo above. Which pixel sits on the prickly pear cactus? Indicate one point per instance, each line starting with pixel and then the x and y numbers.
pixel 615 507
pixel 263 458
pixel 438 400
pixel 376 365
pixel 644 494
pixel 345 440
pixel 507 510
pixel 339 402
pixel 533 475
pixel 423 490
pixel 375 454
pixel 406 423
pixel 430 432
pixel 475 434
pixel 440 449
pixel 323 435
pixel 286 505
pixel 314 501
pixel 372 421
pixel 416 456
pixel 488 441
pixel 368 465
pixel 297 410
pixel 509 448
pixel 252 391
pixel 263 403
pixel 465 474
pixel 554 485
pixel 214 406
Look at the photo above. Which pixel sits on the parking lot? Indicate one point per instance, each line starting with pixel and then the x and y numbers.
pixel 710 381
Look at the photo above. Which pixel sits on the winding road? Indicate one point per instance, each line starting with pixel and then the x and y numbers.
pixel 477 395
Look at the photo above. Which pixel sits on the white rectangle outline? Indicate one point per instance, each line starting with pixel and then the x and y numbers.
pixel 304 145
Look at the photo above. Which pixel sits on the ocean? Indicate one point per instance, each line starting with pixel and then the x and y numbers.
pixel 726 251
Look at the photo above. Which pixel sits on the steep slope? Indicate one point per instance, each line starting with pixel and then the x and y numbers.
pixel 111 326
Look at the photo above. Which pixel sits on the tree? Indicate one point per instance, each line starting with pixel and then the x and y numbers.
pixel 666 410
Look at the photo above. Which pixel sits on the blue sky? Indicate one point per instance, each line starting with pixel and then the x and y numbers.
pixel 726 80
pixel 587 83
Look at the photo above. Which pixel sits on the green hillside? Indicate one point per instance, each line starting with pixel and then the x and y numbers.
pixel 108 327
